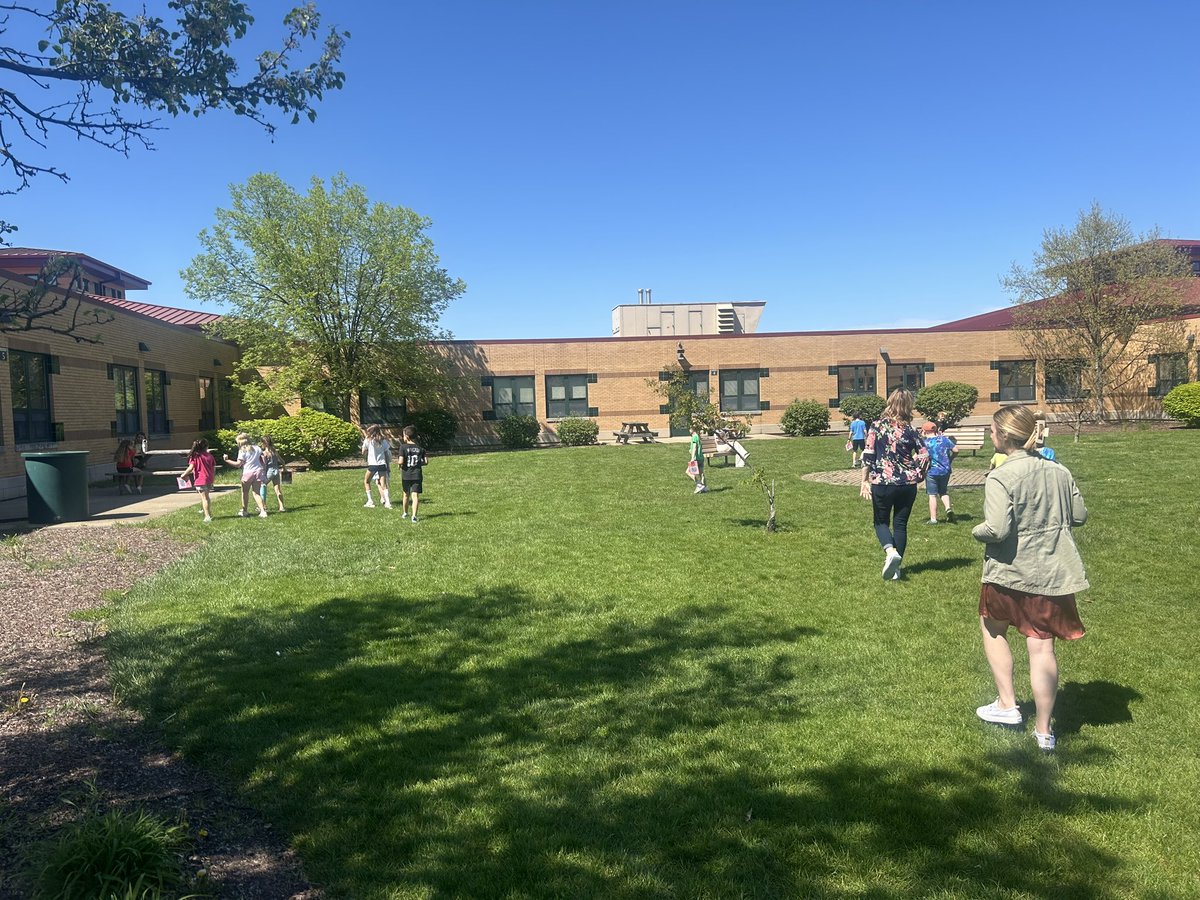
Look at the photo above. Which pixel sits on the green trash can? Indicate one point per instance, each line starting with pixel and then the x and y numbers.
pixel 56 486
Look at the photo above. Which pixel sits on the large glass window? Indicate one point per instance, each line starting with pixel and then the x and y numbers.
pixel 1017 380
pixel 739 390
pixel 225 402
pixel 30 374
pixel 1064 379
pixel 1171 369
pixel 566 395
pixel 327 402
pixel 906 375
pixel 125 389
pixel 381 409
pixel 208 404
pixel 156 401
pixel 513 396
pixel 855 380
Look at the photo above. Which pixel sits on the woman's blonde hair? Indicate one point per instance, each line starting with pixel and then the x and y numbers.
pixel 899 405
pixel 242 438
pixel 1017 426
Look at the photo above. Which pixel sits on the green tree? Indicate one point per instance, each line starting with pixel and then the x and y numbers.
pixel 1096 302
pixel 104 76
pixel 327 292
pixel 948 402
pixel 689 408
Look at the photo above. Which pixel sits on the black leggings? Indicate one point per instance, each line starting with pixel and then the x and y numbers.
pixel 892 503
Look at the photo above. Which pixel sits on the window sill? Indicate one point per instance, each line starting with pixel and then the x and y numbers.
pixel 35 446
pixel 1018 402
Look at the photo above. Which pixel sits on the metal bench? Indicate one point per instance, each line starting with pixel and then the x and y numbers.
pixel 970 437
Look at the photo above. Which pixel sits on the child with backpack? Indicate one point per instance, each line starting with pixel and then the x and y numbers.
pixel 412 461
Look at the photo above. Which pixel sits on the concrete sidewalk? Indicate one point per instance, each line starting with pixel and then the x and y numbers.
pixel 108 508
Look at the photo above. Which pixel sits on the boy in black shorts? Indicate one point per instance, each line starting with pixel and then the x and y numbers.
pixel 412 458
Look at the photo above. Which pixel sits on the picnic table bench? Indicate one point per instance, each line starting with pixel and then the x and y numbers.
pixel 635 430
pixel 122 480
pixel 969 437
pixel 712 446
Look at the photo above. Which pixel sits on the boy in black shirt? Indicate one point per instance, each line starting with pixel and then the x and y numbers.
pixel 412 458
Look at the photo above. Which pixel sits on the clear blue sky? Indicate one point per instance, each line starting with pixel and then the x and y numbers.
pixel 854 165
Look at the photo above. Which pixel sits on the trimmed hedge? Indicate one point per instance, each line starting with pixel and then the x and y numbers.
pixel 518 432
pixel 1183 403
pixel 805 417
pixel 868 406
pixel 315 436
pixel 436 427
pixel 577 432
pixel 947 402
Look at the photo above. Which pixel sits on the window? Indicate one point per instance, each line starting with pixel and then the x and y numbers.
pixel 30 373
pixel 855 380
pixel 1016 380
pixel 739 390
pixel 208 404
pixel 513 396
pixel 225 402
pixel 327 402
pixel 381 409
pixel 1064 379
pixel 566 395
pixel 156 402
pixel 907 375
pixel 1170 369
pixel 125 391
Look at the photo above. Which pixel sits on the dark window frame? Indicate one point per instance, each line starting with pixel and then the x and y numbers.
pixel 381 409
pixel 1170 371
pixel 570 405
pixel 858 380
pixel 745 401
pixel 1064 380
pixel 31 424
pixel 154 383
pixel 515 407
pixel 208 402
pixel 1012 390
pixel 904 371
pixel 225 402
pixel 125 382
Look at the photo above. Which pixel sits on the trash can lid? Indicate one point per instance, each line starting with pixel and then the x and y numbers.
pixel 45 453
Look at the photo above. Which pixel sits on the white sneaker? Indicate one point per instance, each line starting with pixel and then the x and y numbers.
pixel 387 506
pixel 263 514
pixel 370 504
pixel 1044 741
pixel 994 712
pixel 699 489
pixel 208 518
pixel 413 520
pixel 891 563
pixel 404 515
pixel 241 514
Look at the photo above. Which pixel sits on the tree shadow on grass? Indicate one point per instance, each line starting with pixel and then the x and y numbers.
pixel 947 564
pixel 1092 703
pixel 497 744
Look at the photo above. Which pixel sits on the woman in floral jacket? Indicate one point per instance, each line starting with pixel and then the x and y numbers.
pixel 894 463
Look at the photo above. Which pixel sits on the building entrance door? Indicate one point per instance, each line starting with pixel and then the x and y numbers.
pixel 698 383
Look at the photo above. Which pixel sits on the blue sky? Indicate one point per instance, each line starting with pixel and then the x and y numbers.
pixel 853 165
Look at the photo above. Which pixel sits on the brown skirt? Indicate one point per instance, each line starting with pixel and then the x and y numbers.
pixel 1034 615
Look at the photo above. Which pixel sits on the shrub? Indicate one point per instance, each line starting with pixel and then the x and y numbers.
pixel 518 432
pixel 315 436
pixel 868 406
pixel 114 855
pixel 1183 403
pixel 436 427
pixel 806 417
pixel 948 402
pixel 577 432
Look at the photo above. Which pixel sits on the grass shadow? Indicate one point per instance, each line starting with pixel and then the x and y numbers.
pixel 1093 703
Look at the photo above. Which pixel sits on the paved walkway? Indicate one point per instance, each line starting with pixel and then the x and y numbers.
pixel 851 477
pixel 108 508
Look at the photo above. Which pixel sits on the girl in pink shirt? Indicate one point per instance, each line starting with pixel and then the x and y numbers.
pixel 202 467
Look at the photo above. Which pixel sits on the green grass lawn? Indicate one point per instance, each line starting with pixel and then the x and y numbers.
pixel 573 678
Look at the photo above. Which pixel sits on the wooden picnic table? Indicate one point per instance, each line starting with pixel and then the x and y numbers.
pixel 635 430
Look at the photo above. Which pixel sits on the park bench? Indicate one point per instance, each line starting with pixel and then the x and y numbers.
pixel 969 437
pixel 711 447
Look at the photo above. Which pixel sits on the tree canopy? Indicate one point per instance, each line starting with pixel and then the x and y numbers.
pixel 103 75
pixel 1096 302
pixel 328 293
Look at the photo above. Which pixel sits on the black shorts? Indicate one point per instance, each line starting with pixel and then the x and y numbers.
pixel 859 445
pixel 411 487
pixel 377 470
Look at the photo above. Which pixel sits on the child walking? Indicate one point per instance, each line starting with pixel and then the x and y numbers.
pixel 201 469
pixel 125 458
pixel 858 439
pixel 942 450
pixel 695 466
pixel 412 462
pixel 378 451
pixel 272 471
pixel 249 460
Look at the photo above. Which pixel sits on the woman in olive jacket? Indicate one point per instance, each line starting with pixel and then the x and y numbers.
pixel 1031 567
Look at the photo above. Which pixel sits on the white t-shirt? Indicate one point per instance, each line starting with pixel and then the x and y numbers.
pixel 377 454
pixel 251 458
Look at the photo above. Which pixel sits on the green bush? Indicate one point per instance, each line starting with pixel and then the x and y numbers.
pixel 436 427
pixel 518 432
pixel 806 417
pixel 868 406
pixel 947 402
pixel 315 436
pixel 114 855
pixel 577 432
pixel 1183 403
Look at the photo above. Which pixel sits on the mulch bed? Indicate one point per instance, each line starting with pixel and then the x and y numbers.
pixel 67 747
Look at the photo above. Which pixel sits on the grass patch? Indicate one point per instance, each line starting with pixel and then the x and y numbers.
pixel 575 678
